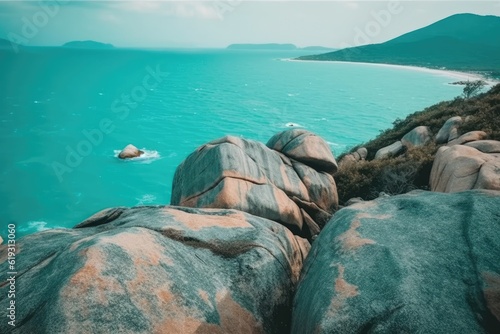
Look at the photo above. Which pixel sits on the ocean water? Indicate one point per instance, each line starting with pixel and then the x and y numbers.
pixel 64 115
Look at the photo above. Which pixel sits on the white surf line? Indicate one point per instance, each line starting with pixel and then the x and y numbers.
pixel 448 73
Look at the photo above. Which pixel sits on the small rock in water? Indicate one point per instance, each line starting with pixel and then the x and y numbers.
pixel 130 151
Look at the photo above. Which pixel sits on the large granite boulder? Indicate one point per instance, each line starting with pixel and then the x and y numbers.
pixel 156 270
pixel 468 137
pixel 464 167
pixel 419 136
pixel 449 130
pixel 421 262
pixel 390 151
pixel 485 146
pixel 290 184
pixel 305 147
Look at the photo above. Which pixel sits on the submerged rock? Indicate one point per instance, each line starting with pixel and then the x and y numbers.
pixel 464 167
pixel 289 184
pixel 416 263
pixel 130 151
pixel 156 270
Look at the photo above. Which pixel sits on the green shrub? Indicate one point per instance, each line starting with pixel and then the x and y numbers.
pixel 484 109
pixel 393 176
pixel 397 175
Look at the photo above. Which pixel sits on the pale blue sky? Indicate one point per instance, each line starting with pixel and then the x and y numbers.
pixel 219 23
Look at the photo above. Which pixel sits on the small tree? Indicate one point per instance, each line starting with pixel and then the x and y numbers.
pixel 472 88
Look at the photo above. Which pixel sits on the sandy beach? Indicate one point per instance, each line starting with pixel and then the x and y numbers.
pixel 459 76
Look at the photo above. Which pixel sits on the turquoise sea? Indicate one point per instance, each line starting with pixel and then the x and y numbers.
pixel 64 113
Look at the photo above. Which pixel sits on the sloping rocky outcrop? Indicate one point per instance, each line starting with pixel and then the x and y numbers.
pixel 157 269
pixel 288 181
pixel 416 263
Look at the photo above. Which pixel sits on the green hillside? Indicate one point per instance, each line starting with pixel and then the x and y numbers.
pixel 460 42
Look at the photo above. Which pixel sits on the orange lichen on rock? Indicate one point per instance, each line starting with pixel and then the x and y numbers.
pixel 351 240
pixel 234 318
pixel 133 243
pixel 343 291
pixel 204 295
pixel 89 283
pixel 289 212
pixel 232 194
pixel 75 245
pixel 197 222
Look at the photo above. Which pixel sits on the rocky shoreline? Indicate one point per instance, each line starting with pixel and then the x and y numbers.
pixel 255 242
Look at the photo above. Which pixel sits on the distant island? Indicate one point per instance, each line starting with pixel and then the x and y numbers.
pixel 274 46
pixel 268 46
pixel 466 42
pixel 88 45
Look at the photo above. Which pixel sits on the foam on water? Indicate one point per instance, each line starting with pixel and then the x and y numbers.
pixel 36 226
pixel 146 199
pixel 293 125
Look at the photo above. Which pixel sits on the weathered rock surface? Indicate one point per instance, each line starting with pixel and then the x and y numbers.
pixel 130 151
pixel 419 136
pixel 485 146
pixel 391 150
pixel 234 173
pixel 449 130
pixel 460 167
pixel 156 270
pixel 305 147
pixel 468 137
pixel 415 263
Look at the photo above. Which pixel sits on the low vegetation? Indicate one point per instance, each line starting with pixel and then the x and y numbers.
pixel 411 170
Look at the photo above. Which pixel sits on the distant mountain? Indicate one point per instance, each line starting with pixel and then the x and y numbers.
pixel 88 45
pixel 318 48
pixel 459 42
pixel 269 46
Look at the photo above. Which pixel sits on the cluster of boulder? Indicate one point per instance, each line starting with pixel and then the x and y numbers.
pixel 419 136
pixel 464 162
pixel 288 181
pixel 232 254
